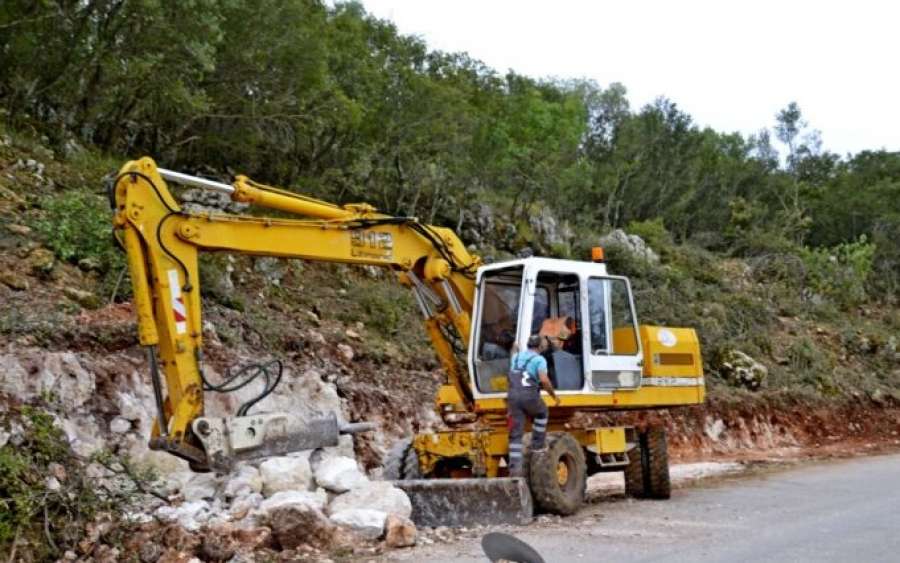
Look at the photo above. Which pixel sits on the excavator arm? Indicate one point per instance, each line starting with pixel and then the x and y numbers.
pixel 163 241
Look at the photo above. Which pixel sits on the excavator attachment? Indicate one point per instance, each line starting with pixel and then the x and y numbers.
pixel 469 502
pixel 227 441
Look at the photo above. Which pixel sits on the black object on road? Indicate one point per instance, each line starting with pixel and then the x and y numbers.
pixel 498 546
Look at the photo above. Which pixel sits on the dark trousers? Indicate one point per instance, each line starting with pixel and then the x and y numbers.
pixel 522 403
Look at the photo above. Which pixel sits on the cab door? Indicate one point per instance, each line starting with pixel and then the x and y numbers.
pixel 614 348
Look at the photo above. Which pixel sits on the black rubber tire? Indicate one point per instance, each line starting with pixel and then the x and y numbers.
pixel 634 473
pixel 402 463
pixel 657 483
pixel 562 460
pixel 647 474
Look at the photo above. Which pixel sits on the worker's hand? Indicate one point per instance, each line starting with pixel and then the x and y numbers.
pixel 556 401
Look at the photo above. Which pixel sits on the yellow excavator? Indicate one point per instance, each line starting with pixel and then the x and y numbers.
pixel 601 359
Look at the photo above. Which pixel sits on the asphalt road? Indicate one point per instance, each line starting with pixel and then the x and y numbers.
pixel 828 512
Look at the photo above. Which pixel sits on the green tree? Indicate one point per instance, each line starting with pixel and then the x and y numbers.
pixel 269 98
pixel 527 139
pixel 643 173
pixel 114 73
pixel 805 165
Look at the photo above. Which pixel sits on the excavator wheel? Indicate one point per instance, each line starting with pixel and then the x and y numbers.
pixel 647 474
pixel 634 473
pixel 402 463
pixel 558 475
pixel 657 465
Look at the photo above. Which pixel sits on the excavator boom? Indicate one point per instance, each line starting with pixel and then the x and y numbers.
pixel 163 241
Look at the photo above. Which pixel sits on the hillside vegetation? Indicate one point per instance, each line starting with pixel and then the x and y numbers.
pixel 338 105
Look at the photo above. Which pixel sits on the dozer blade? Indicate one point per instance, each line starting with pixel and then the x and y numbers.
pixel 468 502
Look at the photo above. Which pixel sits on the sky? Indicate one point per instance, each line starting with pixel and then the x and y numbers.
pixel 731 65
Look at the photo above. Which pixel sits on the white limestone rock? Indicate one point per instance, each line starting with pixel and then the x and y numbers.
pixel 190 515
pixel 244 481
pixel 202 486
pixel 366 522
pixel 295 499
pixel 339 474
pixel 285 474
pixel 374 495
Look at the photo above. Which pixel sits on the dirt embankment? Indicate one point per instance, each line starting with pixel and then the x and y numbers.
pixel 778 425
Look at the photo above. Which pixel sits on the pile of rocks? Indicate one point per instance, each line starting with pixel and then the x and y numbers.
pixel 320 498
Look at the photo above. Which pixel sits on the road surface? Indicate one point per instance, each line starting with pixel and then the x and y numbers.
pixel 828 512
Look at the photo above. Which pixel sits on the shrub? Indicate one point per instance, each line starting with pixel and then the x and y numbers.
pixel 652 232
pixel 749 232
pixel 695 262
pixel 76 225
pixel 811 365
pixel 48 495
pixel 840 272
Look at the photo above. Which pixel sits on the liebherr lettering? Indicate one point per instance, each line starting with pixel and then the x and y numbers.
pixel 371 244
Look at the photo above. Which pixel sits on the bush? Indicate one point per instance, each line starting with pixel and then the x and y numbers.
pixel 76 225
pixel 749 231
pixel 811 365
pixel 840 272
pixel 695 262
pixel 49 496
pixel 652 232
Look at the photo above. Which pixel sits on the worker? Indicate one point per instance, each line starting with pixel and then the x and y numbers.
pixel 527 375
pixel 562 333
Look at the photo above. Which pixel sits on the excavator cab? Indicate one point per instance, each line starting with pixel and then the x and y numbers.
pixel 585 315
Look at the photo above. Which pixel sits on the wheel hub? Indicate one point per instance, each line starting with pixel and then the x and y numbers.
pixel 562 472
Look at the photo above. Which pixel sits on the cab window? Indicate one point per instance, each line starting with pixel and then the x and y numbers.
pixel 611 317
pixel 624 341
pixel 597 313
